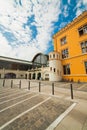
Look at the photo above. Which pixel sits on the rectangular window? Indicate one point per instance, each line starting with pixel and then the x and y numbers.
pixel 63 40
pixel 65 53
pixel 84 47
pixel 83 30
pixel 86 67
pixel 66 69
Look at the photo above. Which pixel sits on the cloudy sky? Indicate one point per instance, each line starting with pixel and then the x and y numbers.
pixel 27 26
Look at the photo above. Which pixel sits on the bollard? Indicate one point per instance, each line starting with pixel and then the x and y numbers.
pixel 71 87
pixel 39 86
pixel 3 82
pixel 20 84
pixel 11 83
pixel 29 85
pixel 52 88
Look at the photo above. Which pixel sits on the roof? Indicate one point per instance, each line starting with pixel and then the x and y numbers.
pixel 38 55
pixel 15 60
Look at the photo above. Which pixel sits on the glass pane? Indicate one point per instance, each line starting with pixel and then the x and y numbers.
pixel 83 50
pixel 83 44
pixel 86 43
pixel 81 32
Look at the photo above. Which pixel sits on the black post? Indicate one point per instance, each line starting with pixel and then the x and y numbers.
pixel 52 88
pixel 39 86
pixel 3 82
pixel 71 91
pixel 20 84
pixel 29 85
pixel 11 83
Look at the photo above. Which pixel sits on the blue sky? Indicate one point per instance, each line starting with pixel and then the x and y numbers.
pixel 27 26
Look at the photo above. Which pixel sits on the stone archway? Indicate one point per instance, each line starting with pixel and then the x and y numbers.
pixel 29 75
pixel 34 76
pixel 10 75
pixel 39 76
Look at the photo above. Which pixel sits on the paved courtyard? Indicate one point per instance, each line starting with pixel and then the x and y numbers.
pixel 32 106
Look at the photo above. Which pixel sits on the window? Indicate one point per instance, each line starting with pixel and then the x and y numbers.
pixel 63 40
pixel 86 66
pixel 50 68
pixel 83 30
pixel 84 46
pixel 54 70
pixel 66 69
pixel 53 55
pixel 65 53
pixel 58 72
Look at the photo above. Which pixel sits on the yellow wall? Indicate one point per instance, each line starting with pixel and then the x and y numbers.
pixel 76 57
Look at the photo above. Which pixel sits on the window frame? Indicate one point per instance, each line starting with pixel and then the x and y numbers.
pixel 66 69
pixel 84 46
pixel 82 30
pixel 66 55
pixel 85 62
pixel 63 40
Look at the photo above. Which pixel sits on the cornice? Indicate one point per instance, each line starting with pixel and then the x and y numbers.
pixel 76 20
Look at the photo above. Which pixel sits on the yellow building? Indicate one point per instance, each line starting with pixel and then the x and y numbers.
pixel 71 43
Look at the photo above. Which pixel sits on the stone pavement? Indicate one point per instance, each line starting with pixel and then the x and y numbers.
pixel 23 109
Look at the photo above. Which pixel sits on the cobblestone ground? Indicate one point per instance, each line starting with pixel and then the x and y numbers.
pixel 21 109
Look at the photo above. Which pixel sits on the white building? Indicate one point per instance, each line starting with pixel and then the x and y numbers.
pixel 42 67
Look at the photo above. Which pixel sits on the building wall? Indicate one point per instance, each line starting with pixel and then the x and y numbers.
pixel 73 43
pixel 55 67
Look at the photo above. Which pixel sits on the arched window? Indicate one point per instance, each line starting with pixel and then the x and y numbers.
pixel 58 72
pixel 53 55
pixel 54 70
pixel 50 68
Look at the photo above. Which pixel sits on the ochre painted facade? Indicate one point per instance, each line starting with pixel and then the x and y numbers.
pixel 76 59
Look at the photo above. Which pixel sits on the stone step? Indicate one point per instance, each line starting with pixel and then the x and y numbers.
pixel 12 112
pixel 40 117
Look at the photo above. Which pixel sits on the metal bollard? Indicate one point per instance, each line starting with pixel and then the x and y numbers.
pixel 71 87
pixel 29 85
pixel 3 82
pixel 20 84
pixel 39 86
pixel 52 88
pixel 11 83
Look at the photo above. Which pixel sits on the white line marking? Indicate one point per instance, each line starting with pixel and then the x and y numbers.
pixel 12 94
pixel 58 120
pixel 7 92
pixel 18 103
pixel 6 124
pixel 14 98
pixel 82 86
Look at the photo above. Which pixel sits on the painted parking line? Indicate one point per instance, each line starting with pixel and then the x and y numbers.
pixel 14 98
pixel 8 92
pixel 82 86
pixel 4 91
pixel 59 119
pixel 18 103
pixel 12 94
pixel 6 124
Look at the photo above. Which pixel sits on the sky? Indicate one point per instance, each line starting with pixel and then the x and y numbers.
pixel 27 26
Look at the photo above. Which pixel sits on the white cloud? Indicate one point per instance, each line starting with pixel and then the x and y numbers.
pixel 79 6
pixel 85 2
pixel 69 1
pixel 13 16
pixel 66 13
pixel 5 48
